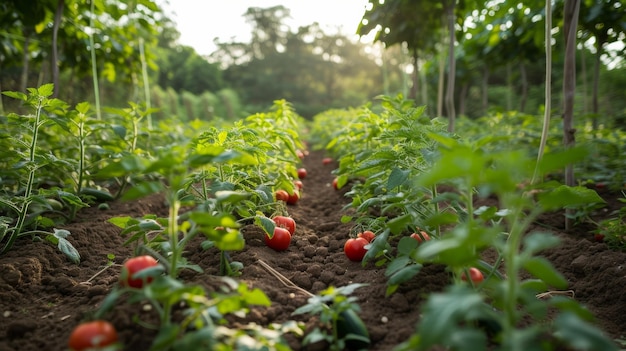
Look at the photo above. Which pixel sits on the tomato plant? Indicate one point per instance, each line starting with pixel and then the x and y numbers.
pixel 133 266
pixel 475 275
pixel 285 222
pixel 367 235
pixel 92 335
pixel 354 248
pixel 301 173
pixel 280 240
pixel 421 236
pixel 281 195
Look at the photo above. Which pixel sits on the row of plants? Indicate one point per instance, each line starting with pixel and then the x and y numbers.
pixel 412 186
pixel 414 190
pixel 58 159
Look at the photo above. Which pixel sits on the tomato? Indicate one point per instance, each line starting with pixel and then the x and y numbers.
pixel 335 184
pixel 300 154
pixel 599 237
pixel 132 267
pixel 298 184
pixel 367 235
pixel 327 160
pixel 90 335
pixel 293 198
pixel 417 237
pixel 280 240
pixel 475 274
pixel 281 195
pixel 301 173
pixel 285 222
pixel 354 248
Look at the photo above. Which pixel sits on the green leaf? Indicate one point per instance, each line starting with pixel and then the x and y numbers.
pixel 536 242
pixel 142 189
pixel 46 90
pixel 16 95
pixel 266 224
pixel 65 246
pixel 122 222
pixel 231 197
pixel 543 269
pixel 568 197
pixel 397 178
pixel 404 274
pixel 581 335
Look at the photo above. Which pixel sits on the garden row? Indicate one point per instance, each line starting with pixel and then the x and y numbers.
pixel 412 188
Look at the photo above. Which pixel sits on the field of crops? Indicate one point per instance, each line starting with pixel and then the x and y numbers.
pixel 474 244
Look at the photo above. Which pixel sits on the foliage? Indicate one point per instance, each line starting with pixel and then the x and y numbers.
pixel 22 199
pixel 333 307
pixel 440 198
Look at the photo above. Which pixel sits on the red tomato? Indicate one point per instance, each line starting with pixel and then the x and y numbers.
pixel 419 238
pixel 335 184
pixel 90 335
pixel 475 274
pixel 285 222
pixel 280 241
pixel 293 198
pixel 327 160
pixel 132 267
pixel 282 195
pixel 300 154
pixel 367 235
pixel 298 184
pixel 599 237
pixel 301 173
pixel 354 248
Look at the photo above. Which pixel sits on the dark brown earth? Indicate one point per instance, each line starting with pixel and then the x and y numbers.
pixel 43 296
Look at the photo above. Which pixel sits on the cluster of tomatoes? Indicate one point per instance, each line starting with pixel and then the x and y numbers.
pixel 100 333
pixel 356 248
pixel 285 228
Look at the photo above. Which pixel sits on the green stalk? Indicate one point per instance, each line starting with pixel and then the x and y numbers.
pixel 146 83
pixel 518 227
pixel 31 180
pixel 172 227
pixel 94 65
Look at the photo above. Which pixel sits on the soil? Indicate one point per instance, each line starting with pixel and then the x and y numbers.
pixel 43 296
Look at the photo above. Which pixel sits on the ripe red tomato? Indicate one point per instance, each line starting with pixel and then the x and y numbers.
pixel 133 266
pixel 327 160
pixel 293 198
pixel 285 222
pixel 417 236
pixel 599 237
pixel 280 241
pixel 367 235
pixel 354 248
pixel 475 275
pixel 335 184
pixel 298 184
pixel 281 195
pixel 91 335
pixel 301 173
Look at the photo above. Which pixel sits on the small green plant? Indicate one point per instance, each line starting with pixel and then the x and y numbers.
pixel 613 230
pixel 25 167
pixel 338 313
pixel 471 316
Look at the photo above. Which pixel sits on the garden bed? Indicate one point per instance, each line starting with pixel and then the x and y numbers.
pixel 43 296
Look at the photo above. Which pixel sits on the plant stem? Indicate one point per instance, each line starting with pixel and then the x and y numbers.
pixel 94 64
pixel 23 213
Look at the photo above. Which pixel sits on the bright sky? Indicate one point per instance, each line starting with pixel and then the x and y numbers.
pixel 200 21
